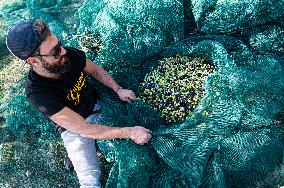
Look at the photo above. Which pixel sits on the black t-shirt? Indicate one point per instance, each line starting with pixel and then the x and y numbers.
pixel 71 90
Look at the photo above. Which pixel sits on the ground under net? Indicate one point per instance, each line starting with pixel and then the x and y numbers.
pixel 234 136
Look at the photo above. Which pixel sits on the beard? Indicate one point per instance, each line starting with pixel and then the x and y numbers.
pixel 57 68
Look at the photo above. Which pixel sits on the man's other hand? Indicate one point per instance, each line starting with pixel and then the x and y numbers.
pixel 125 94
pixel 139 135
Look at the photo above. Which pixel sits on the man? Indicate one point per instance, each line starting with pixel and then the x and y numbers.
pixel 57 87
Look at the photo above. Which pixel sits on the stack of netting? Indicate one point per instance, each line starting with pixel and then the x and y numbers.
pixel 234 137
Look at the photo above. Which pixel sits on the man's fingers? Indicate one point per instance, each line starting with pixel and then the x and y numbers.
pixel 141 135
pixel 133 95
pixel 147 138
pixel 126 99
pixel 147 130
pixel 126 95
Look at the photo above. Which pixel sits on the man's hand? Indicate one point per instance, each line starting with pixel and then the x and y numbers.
pixel 139 135
pixel 125 94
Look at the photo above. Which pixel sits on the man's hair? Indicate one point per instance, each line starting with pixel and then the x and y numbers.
pixel 41 27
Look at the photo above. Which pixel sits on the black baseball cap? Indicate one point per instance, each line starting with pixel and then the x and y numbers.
pixel 23 39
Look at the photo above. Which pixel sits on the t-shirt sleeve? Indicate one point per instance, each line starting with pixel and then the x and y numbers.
pixel 48 105
pixel 78 58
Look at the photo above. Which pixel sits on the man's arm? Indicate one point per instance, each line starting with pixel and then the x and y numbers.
pixel 72 121
pixel 104 77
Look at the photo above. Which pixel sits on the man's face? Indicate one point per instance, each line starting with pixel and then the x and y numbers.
pixel 53 57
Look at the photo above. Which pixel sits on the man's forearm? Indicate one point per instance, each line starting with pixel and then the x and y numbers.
pixel 104 77
pixel 102 132
pixel 72 121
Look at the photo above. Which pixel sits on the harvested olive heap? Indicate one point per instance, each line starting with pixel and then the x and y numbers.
pixel 175 87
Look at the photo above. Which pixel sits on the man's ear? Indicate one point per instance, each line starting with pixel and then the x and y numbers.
pixel 31 60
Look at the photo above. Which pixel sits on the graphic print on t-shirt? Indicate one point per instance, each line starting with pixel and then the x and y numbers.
pixel 74 94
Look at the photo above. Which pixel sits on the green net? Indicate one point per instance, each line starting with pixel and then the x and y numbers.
pixel 231 137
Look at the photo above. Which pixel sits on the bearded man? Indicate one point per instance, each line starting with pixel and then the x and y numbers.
pixel 57 87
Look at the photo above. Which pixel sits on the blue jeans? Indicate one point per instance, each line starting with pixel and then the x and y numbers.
pixel 83 154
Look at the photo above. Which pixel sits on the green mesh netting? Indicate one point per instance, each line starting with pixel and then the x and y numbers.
pixel 233 137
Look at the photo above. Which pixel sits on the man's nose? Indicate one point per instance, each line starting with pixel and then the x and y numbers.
pixel 62 51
